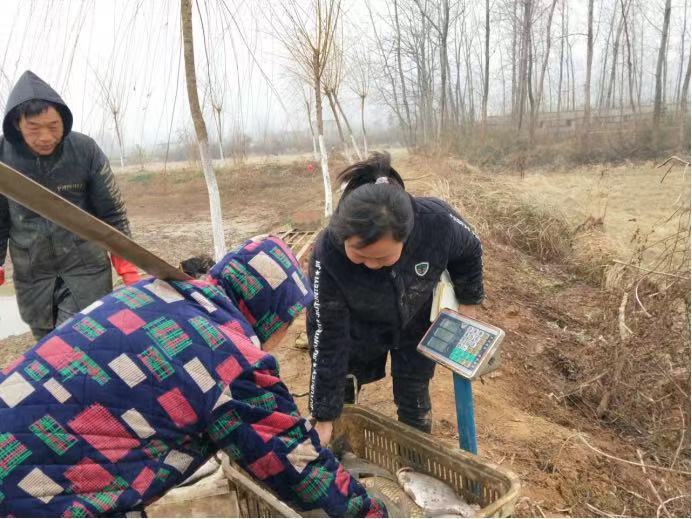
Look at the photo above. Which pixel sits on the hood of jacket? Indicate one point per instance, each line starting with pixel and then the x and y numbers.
pixel 29 86
pixel 264 280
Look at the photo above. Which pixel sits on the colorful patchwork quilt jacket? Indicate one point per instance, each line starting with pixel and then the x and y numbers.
pixel 132 395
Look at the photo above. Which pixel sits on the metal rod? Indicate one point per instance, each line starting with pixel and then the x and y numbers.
pixel 466 421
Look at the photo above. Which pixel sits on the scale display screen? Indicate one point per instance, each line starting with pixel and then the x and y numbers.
pixel 460 343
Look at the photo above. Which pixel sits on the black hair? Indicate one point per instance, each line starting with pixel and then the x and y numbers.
pixel 197 266
pixel 33 107
pixel 374 203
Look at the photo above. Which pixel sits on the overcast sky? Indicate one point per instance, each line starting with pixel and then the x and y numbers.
pixel 131 48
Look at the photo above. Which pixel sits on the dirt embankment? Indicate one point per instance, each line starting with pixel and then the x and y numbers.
pixel 571 462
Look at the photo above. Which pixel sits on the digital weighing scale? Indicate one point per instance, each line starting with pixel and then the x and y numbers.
pixel 469 348
pixel 464 345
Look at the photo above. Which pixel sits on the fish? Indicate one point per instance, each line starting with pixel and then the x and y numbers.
pixel 434 497
pixel 393 496
pixel 360 468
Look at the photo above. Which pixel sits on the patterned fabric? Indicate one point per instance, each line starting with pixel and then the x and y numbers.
pixel 135 393
pixel 251 276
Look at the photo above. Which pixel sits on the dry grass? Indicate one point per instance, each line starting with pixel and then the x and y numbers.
pixel 630 232
pixel 630 200
pixel 497 211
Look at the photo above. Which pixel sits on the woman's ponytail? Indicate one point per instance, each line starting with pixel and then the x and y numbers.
pixel 373 170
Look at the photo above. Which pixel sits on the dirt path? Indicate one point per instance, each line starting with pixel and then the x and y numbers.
pixel 521 421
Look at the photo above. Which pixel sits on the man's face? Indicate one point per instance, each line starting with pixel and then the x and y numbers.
pixel 43 132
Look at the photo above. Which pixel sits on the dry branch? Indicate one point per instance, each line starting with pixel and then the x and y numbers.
pixel 625 334
pixel 609 456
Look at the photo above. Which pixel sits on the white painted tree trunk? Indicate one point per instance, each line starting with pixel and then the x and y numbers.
pixel 362 124
pixel 214 201
pixel 326 180
pixel 219 131
pixel 315 155
pixel 201 131
pixel 120 141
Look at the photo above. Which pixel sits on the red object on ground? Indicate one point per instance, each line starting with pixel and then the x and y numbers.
pixel 126 270
pixel 2 276
pixel 311 168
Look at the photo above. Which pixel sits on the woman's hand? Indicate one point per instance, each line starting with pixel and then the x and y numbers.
pixel 324 431
pixel 469 311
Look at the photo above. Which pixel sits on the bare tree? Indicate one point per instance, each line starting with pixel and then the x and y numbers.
pixel 310 44
pixel 539 95
pixel 401 71
pixel 113 97
pixel 201 130
pixel 602 82
pixel 393 75
pixel 587 84
pixel 486 72
pixel 684 110
pixel 658 97
pixel 514 57
pixel 360 84
pixel 562 54
pixel 683 49
pixel 441 26
pixel 308 109
pixel 630 71
pixel 328 85
pixel 332 83
pixel 524 59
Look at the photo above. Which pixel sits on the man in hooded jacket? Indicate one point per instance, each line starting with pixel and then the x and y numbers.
pixel 56 273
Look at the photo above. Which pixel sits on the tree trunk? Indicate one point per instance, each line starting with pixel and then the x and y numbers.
pixel 664 90
pixel 587 85
pixel 315 155
pixel 119 136
pixel 610 96
pixel 658 97
pixel 219 131
pixel 539 96
pixel 486 79
pixel 469 82
pixel 678 84
pixel 684 111
pixel 630 72
pixel 454 114
pixel 514 58
pixel 574 83
pixel 524 61
pixel 602 81
pixel 362 125
pixel 529 91
pixel 562 53
pixel 344 144
pixel 404 98
pixel 201 131
pixel 641 68
pixel 348 126
pixel 504 84
pixel 460 97
pixel 326 181
pixel 444 31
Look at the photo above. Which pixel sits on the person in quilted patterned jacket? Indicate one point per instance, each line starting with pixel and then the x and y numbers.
pixel 129 397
